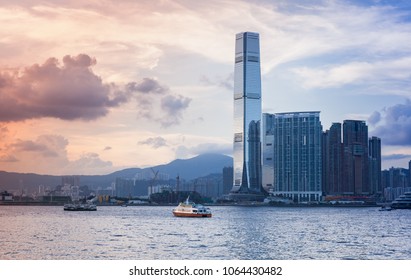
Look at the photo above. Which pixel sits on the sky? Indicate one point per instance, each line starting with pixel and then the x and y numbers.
pixel 91 87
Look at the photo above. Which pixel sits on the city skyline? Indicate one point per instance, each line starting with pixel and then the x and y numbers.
pixel 93 88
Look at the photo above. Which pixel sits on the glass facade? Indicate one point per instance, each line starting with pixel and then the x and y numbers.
pixel 292 158
pixel 247 114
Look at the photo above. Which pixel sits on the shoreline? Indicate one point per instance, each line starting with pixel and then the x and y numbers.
pixel 21 203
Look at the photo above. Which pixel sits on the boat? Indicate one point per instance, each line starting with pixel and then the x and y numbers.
pixel 191 209
pixel 385 208
pixel 402 202
pixel 80 207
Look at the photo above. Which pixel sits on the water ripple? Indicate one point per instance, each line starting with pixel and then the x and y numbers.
pixel 232 233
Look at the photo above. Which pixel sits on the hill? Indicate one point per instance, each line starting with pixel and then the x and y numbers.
pixel 187 169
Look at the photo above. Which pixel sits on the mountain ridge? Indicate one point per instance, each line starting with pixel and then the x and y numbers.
pixel 187 169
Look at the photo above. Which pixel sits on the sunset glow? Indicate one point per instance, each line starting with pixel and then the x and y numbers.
pixel 90 87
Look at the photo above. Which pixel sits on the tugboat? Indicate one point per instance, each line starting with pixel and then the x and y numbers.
pixel 402 202
pixel 191 209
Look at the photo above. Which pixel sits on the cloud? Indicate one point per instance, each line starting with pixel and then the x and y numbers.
pixel 203 148
pixel 70 91
pixel 147 85
pixel 384 75
pixel 155 142
pixel 3 131
pixel 394 126
pixel 173 106
pixel 8 158
pixel 47 154
pixel 395 156
pixel 107 148
pixel 157 103
pixel 89 162
pixel 374 118
pixel 31 146
pixel 45 145
pixel 223 82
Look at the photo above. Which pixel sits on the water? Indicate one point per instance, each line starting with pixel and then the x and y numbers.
pixel 145 232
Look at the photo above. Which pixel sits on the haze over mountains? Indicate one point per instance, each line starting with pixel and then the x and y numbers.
pixel 187 169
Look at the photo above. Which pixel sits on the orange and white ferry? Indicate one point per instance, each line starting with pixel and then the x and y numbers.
pixel 191 209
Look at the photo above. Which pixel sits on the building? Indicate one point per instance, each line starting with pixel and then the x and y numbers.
pixel 395 182
pixel 351 161
pixel 227 180
pixel 247 118
pixel 292 158
pixel 374 164
pixel 125 188
pixel 6 196
pixel 333 160
pixel 70 180
pixel 355 170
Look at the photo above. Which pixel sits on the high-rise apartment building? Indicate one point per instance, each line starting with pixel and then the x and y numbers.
pixel 227 179
pixel 355 174
pixel 247 115
pixel 333 160
pixel 374 148
pixel 352 163
pixel 292 157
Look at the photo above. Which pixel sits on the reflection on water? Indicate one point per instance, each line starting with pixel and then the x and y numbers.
pixel 145 232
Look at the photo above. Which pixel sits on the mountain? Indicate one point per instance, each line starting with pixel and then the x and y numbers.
pixel 187 169
pixel 199 166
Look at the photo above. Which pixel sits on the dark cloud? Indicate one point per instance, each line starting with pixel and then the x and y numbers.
pixel 107 148
pixel 173 105
pixel 394 126
pixel 167 110
pixel 374 118
pixel 147 85
pixel 155 142
pixel 69 91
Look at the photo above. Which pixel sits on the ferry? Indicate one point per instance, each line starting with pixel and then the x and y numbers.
pixel 191 209
pixel 80 207
pixel 402 202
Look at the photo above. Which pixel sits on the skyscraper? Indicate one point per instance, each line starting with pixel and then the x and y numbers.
pixel 355 141
pixel 374 147
pixel 333 157
pixel 292 158
pixel 247 114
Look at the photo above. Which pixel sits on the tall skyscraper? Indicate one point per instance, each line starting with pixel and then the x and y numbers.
pixel 292 158
pixel 247 114
pixel 374 147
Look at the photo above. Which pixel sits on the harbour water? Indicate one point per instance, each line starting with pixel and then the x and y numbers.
pixel 234 232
